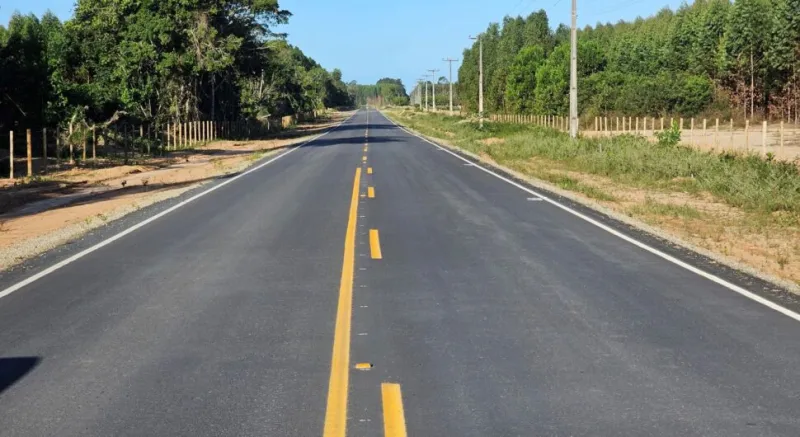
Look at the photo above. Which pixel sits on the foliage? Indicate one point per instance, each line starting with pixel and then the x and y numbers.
pixel 707 55
pixel 385 91
pixel 157 61
pixel 670 137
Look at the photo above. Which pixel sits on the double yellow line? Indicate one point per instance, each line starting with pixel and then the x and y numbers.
pixel 336 410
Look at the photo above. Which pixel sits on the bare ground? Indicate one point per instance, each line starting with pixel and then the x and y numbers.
pixel 39 214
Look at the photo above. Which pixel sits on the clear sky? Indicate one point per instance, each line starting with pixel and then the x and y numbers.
pixel 370 39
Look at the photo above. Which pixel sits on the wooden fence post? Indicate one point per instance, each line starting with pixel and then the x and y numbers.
pixel 83 142
pixel 704 130
pixel 637 125
pixel 94 145
pixel 731 129
pixel 716 133
pixel 662 123
pixel 29 147
pixel 747 134
pixel 781 147
pixel 44 150
pixel 691 132
pixel 11 155
pixel 58 147
pixel 617 125
pixel 71 150
pixel 764 138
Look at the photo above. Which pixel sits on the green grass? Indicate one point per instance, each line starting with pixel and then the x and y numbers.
pixel 571 184
pixel 651 207
pixel 749 182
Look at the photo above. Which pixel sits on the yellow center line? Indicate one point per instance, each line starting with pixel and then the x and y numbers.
pixel 371 192
pixel 336 409
pixel 375 244
pixel 364 159
pixel 394 419
pixel 369 170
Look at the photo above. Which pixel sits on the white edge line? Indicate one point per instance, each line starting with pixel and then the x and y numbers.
pixel 733 287
pixel 149 220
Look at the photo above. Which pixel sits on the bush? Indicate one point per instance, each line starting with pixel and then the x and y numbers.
pixel 669 137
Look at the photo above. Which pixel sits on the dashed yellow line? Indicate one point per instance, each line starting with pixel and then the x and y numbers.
pixel 363 159
pixel 394 418
pixel 371 192
pixel 336 409
pixel 375 244
pixel 369 170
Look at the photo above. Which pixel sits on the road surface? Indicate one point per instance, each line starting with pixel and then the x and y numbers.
pixel 374 284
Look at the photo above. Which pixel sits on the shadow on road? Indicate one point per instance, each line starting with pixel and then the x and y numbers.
pixel 14 369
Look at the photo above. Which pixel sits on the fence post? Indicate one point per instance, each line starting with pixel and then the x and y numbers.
pixel 764 138
pixel 44 149
pixel 731 129
pixel 29 149
pixel 617 125
pixel 662 123
pixel 83 142
pixel 94 145
pixel 58 147
pixel 637 125
pixel 71 149
pixel 691 132
pixel 704 130
pixel 781 150
pixel 747 134
pixel 716 133
pixel 11 155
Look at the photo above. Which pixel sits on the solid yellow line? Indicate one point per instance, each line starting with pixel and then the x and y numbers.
pixel 374 244
pixel 394 419
pixel 336 410
pixel 369 170
pixel 371 192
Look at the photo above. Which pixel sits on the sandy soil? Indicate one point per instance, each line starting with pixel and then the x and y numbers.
pixel 29 225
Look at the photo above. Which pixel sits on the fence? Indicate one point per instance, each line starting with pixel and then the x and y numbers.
pixel 779 138
pixel 44 148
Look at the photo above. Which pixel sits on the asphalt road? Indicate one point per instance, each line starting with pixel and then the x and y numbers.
pixel 474 310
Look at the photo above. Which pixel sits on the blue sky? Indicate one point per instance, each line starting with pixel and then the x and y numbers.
pixel 370 39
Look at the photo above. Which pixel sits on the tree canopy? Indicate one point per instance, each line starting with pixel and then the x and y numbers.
pixel 729 57
pixel 158 61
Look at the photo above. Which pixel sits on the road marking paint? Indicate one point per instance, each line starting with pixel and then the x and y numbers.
pixel 535 199
pixel 394 418
pixel 336 409
pixel 375 244
pixel 371 192
pixel 369 170
pixel 711 277
pixel 363 366
pixel 363 159
pixel 141 224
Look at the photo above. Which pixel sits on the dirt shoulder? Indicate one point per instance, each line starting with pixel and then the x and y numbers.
pixel 764 246
pixel 43 213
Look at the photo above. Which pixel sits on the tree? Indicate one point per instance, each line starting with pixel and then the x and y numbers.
pixel 521 81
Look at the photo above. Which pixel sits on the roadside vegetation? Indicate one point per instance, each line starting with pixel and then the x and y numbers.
pixel 726 202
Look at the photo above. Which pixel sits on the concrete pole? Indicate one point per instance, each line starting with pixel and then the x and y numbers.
pixel 480 79
pixel 573 73
pixel 450 62
pixel 433 85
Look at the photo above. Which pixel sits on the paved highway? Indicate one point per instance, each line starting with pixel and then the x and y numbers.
pixel 374 284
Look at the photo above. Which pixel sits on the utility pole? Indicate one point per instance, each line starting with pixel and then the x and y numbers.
pixel 450 61
pixel 480 79
pixel 573 73
pixel 433 84
pixel 425 81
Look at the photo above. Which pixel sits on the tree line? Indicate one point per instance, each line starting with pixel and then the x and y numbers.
pixel 157 61
pixel 731 58
pixel 386 91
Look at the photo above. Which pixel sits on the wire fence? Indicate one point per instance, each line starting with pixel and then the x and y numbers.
pixel 32 152
pixel 779 139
